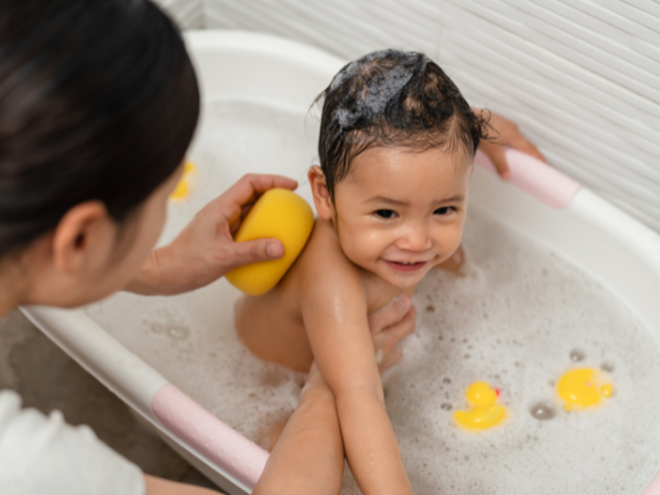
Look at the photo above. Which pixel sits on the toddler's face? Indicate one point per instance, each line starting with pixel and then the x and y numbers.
pixel 400 212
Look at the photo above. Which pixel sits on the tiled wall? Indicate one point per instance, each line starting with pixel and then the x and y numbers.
pixel 581 77
pixel 188 13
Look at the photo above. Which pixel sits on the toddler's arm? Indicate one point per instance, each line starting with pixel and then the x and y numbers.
pixel 335 316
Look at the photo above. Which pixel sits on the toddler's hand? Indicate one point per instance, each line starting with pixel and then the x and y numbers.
pixel 205 250
pixel 389 325
pixel 506 133
pixel 455 262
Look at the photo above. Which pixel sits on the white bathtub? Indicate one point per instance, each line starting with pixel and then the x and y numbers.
pixel 608 244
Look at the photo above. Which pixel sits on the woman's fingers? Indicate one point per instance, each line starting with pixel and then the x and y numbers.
pixel 235 202
pixel 390 360
pixel 506 133
pixel 245 253
pixel 495 152
pixel 388 315
pixel 522 144
pixel 387 339
pixel 252 185
pixel 389 325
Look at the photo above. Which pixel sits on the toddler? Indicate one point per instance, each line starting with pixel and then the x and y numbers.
pixel 396 154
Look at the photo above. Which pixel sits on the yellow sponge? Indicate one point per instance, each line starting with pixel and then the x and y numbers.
pixel 279 214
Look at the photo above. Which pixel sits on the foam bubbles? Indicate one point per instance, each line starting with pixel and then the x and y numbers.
pixel 608 366
pixel 577 355
pixel 379 88
pixel 543 411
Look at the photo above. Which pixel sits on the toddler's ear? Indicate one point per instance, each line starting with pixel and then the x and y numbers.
pixel 320 192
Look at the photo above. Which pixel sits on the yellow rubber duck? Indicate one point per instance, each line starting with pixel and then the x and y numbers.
pixel 582 388
pixel 183 187
pixel 485 413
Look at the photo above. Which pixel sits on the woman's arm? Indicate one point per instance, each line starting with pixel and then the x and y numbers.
pixel 159 486
pixel 309 456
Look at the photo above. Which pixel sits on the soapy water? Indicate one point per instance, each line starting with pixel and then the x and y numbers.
pixel 170 324
pixel 513 320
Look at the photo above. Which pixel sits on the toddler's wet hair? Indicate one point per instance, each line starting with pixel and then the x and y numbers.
pixel 388 98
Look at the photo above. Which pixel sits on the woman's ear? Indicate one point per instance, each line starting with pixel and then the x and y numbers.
pixel 83 236
pixel 322 198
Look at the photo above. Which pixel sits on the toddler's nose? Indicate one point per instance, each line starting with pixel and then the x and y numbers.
pixel 414 238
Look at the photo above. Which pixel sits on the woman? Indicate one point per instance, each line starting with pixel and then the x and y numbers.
pixel 98 104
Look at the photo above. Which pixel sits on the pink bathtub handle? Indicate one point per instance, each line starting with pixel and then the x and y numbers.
pixel 212 438
pixel 535 177
pixel 653 487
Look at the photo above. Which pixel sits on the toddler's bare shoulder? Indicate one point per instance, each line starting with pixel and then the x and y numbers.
pixel 323 260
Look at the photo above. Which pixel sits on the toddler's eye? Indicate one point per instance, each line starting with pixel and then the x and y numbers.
pixel 386 213
pixel 445 210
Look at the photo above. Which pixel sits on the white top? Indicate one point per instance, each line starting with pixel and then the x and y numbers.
pixel 44 455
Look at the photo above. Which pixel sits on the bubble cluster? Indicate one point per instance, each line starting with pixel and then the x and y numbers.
pixel 608 366
pixel 577 355
pixel 543 411
pixel 377 90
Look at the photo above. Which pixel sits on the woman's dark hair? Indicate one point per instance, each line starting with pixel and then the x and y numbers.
pixel 98 101
pixel 392 97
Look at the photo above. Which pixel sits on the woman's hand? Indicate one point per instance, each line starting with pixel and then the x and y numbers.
pixel 204 251
pixel 388 326
pixel 506 133
pixel 159 486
